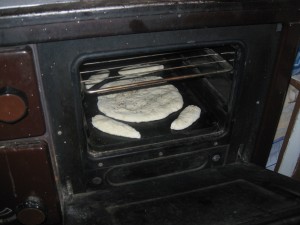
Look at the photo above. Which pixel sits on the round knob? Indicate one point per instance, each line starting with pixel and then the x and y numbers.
pixel 31 212
pixel 13 105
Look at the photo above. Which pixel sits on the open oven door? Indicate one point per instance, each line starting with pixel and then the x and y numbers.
pixel 232 194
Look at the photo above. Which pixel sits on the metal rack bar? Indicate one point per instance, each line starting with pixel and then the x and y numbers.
pixel 143 56
pixel 185 63
pixel 151 62
pixel 162 70
pixel 152 82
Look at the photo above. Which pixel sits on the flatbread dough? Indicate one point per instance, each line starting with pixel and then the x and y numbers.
pixel 111 126
pixel 142 105
pixel 95 79
pixel 186 118
pixel 140 69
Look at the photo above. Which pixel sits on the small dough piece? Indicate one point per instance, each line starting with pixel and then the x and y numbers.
pixel 111 126
pixel 140 69
pixel 141 105
pixel 96 78
pixel 186 118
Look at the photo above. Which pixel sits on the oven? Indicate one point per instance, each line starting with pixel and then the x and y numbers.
pixel 150 113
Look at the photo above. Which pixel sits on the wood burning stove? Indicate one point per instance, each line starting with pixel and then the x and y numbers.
pixel 232 60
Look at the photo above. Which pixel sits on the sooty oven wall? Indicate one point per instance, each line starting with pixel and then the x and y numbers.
pixel 59 63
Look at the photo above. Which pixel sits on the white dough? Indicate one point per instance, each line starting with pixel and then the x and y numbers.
pixel 142 105
pixel 97 78
pixel 140 69
pixel 114 127
pixel 186 118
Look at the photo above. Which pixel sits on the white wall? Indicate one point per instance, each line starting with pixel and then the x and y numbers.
pixel 292 152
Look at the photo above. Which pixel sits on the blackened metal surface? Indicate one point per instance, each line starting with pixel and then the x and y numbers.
pixel 234 194
pixel 17 71
pixel 236 202
pixel 145 153
pixel 154 168
pixel 148 165
pixel 25 170
pixel 105 18
pixel 59 62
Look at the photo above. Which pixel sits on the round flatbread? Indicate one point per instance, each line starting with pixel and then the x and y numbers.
pixel 141 105
pixel 96 79
pixel 140 69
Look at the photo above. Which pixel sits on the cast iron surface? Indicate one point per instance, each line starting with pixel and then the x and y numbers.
pixel 63 22
pixel 150 164
pixel 233 194
pixel 106 18
pixel 64 100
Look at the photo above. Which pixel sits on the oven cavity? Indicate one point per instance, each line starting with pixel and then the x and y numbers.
pixel 138 100
pixel 148 116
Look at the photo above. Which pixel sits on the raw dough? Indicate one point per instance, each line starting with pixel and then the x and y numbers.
pixel 97 78
pixel 114 127
pixel 186 118
pixel 141 105
pixel 140 69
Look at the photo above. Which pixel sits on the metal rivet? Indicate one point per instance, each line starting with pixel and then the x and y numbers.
pixel 216 158
pixel 100 164
pixel 97 180
pixel 216 143
pixel 160 154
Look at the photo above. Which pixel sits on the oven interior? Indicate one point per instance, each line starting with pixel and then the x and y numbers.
pixel 205 77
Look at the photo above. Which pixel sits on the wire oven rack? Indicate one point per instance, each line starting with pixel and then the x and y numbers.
pixel 178 65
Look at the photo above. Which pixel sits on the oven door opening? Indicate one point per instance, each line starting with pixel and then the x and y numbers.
pixel 195 87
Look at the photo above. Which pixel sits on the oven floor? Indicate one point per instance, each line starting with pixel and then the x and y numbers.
pixel 234 194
